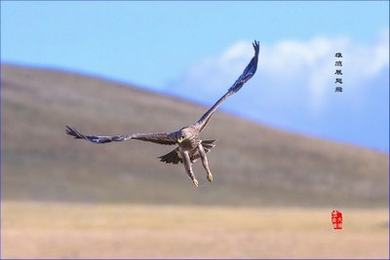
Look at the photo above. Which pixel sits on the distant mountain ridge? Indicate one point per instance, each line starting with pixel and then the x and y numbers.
pixel 252 164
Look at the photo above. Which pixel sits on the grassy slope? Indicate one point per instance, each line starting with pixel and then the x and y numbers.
pixel 252 164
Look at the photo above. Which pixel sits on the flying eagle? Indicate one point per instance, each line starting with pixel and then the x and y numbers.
pixel 189 145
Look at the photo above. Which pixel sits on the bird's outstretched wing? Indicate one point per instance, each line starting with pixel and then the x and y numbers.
pixel 160 138
pixel 244 77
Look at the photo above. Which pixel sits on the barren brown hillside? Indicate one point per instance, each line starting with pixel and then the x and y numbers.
pixel 252 164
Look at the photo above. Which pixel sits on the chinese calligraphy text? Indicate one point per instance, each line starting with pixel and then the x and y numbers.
pixel 339 80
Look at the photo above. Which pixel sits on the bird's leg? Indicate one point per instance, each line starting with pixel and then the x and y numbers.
pixel 188 167
pixel 205 162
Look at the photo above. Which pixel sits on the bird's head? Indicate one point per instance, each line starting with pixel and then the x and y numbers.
pixel 183 135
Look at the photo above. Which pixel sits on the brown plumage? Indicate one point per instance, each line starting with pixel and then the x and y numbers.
pixel 189 145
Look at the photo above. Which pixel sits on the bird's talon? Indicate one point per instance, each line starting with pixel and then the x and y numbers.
pixel 196 183
pixel 210 177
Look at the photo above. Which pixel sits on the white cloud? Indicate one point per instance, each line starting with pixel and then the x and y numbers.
pixel 307 66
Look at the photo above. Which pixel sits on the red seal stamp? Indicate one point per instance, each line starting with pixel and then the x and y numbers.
pixel 337 219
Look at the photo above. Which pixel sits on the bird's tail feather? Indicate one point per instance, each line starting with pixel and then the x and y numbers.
pixel 208 144
pixel 175 158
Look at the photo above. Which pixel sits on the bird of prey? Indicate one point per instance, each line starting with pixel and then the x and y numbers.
pixel 189 145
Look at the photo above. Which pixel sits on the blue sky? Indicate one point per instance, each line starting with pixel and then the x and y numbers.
pixel 172 47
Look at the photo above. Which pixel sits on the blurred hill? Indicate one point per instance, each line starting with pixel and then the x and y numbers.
pixel 252 164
